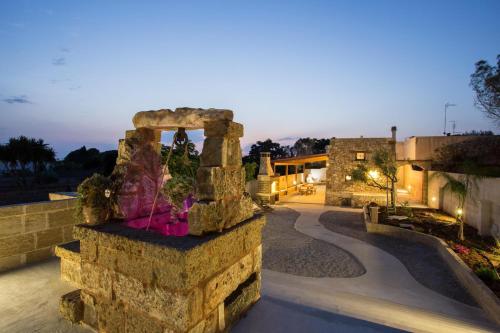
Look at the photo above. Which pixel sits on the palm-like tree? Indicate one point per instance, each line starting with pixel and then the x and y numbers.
pixel 461 188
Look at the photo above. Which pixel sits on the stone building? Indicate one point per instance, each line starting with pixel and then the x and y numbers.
pixel 344 155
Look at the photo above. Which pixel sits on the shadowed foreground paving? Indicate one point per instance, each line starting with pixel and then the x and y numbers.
pixel 29 302
pixel 423 262
pixel 288 251
pixel 278 316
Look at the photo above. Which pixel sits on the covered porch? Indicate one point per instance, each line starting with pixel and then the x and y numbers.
pixel 301 178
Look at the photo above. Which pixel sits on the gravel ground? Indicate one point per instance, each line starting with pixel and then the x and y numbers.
pixel 289 251
pixel 423 262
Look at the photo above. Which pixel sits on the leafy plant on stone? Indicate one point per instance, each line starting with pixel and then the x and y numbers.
pixel 182 165
pixel 178 188
pixel 92 204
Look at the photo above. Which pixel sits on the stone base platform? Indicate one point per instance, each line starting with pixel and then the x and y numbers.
pixel 138 281
pixel 71 263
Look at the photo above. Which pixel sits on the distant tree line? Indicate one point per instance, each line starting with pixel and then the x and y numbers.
pixel 23 156
pixel 32 161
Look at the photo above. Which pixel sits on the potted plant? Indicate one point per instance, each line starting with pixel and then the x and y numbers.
pixel 94 199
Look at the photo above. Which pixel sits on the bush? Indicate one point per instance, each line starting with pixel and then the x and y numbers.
pixel 487 274
pixel 91 194
pixel 178 188
pixel 250 170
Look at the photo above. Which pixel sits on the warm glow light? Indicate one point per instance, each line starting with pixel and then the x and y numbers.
pixel 373 174
pixel 459 211
pixel 294 182
pixel 433 198
pixel 348 177
pixel 273 187
pixel 409 187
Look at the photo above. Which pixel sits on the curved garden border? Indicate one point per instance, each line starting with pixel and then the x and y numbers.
pixel 481 293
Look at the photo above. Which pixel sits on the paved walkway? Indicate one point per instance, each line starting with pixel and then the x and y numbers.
pixel 386 294
pixel 423 262
pixel 288 251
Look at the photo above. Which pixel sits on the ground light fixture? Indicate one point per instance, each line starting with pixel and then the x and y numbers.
pixel 459 212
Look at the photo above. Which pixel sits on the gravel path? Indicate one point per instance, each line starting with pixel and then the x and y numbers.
pixel 289 251
pixel 423 262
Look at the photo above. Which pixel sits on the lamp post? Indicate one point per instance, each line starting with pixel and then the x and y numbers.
pixel 446 106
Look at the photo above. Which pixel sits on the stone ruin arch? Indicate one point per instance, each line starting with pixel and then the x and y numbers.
pixel 220 179
pixel 133 280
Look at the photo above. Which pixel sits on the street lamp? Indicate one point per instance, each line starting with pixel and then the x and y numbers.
pixel 446 106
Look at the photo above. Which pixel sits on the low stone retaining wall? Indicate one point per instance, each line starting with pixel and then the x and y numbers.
pixel 29 232
pixel 481 293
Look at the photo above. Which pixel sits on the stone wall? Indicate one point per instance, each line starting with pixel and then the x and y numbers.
pixel 482 205
pixel 341 162
pixel 29 232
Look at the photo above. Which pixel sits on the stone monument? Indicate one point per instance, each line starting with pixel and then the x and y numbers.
pixel 134 280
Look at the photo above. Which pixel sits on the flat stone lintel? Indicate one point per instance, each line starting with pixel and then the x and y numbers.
pixel 189 118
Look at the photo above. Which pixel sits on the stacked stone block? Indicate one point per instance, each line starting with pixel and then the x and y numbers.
pixel 29 232
pixel 139 282
pixel 220 181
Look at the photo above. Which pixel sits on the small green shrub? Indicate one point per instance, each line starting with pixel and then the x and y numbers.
pixel 487 274
pixel 178 188
pixel 91 193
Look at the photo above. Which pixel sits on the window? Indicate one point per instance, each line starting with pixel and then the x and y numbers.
pixel 360 156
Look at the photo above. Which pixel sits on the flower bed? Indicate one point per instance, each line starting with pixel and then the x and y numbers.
pixel 480 253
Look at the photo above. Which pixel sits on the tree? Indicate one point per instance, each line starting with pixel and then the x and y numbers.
pixel 277 151
pixel 385 163
pixel 460 187
pixel 184 161
pixel 485 82
pixel 250 170
pixel 42 154
pixel 23 156
pixel 309 146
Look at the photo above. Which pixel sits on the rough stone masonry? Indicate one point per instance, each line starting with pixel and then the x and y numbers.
pixel 133 280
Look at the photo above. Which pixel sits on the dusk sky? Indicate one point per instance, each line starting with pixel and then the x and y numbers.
pixel 75 73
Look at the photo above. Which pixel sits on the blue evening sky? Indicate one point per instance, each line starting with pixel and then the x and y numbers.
pixel 75 72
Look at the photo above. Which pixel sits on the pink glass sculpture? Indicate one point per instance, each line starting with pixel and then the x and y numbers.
pixel 167 221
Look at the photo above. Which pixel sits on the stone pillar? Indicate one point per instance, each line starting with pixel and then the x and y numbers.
pixel 485 217
pixel 139 170
pixel 220 181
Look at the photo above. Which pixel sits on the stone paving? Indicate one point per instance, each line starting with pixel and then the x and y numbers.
pixel 288 251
